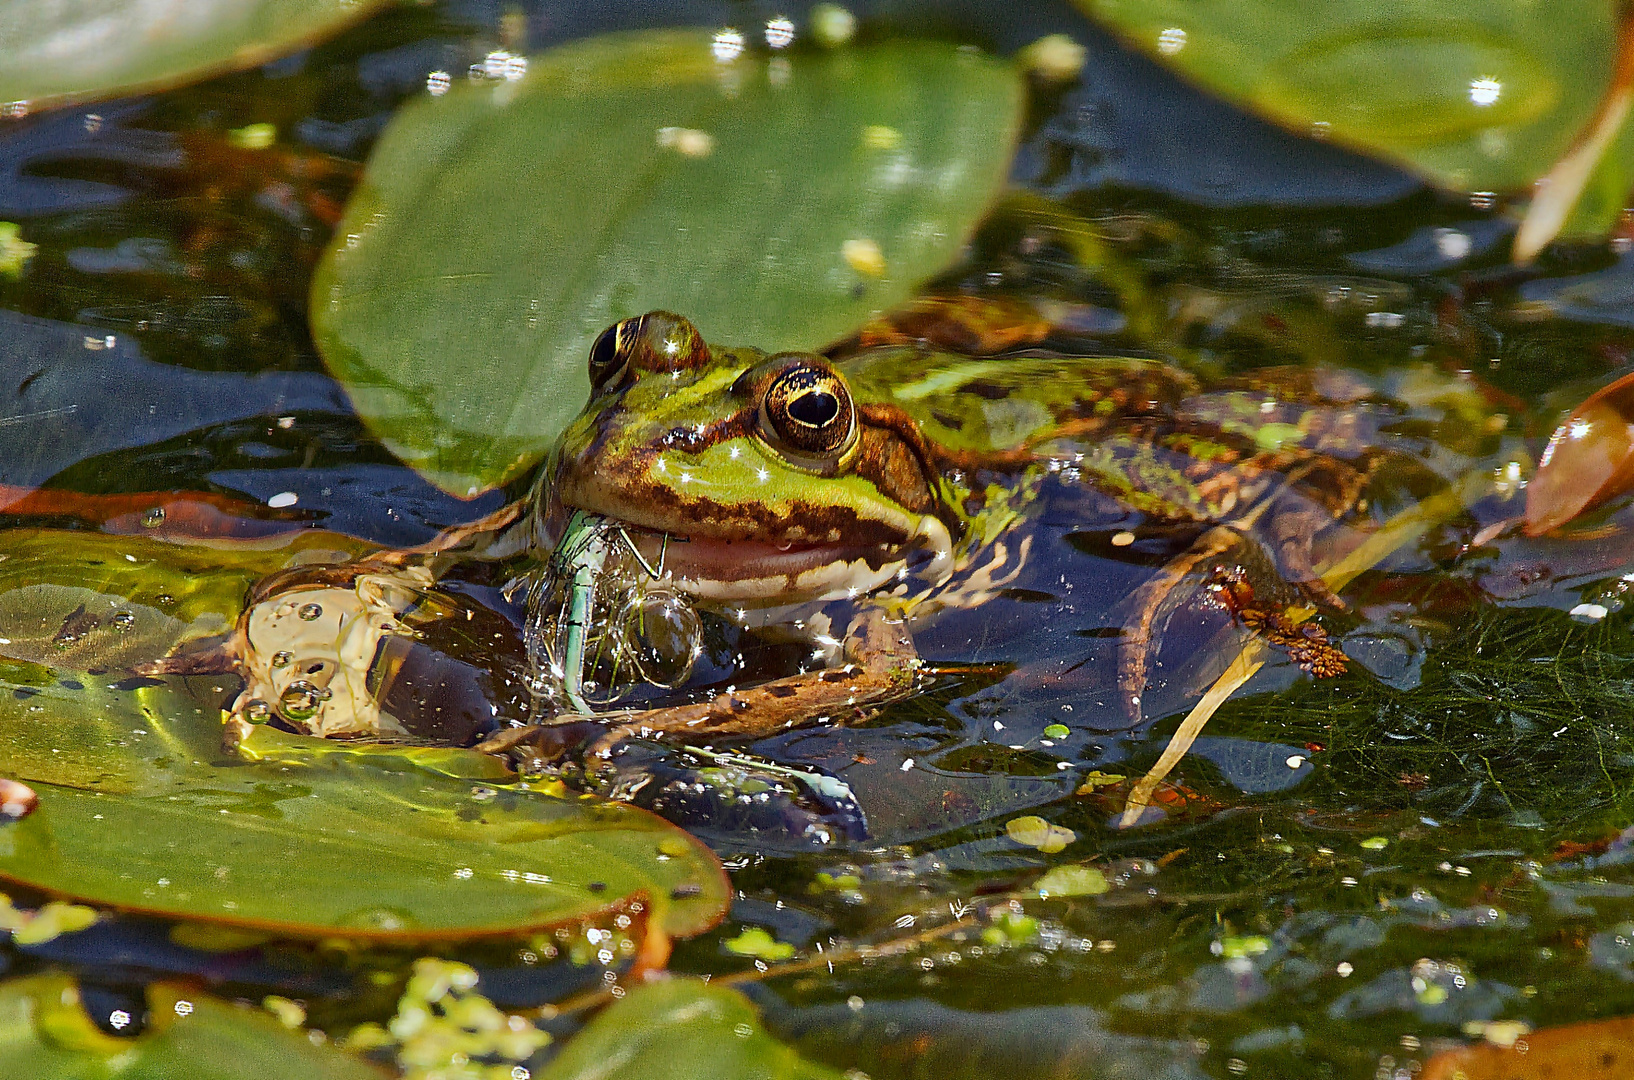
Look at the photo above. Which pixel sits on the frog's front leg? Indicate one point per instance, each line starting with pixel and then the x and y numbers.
pixel 881 665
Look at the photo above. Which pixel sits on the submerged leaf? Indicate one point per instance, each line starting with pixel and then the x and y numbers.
pixel 46 1035
pixel 682 1029
pixel 1588 462
pixel 755 941
pixel 75 51
pixel 777 203
pixel 1072 881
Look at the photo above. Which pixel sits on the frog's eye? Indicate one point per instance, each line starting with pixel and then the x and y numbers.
pixel 808 410
pixel 662 341
pixel 608 358
pixel 656 341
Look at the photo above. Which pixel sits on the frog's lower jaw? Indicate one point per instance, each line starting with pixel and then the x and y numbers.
pixel 757 574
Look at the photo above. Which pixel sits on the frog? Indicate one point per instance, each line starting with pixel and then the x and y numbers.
pixel 891 475
pixel 884 480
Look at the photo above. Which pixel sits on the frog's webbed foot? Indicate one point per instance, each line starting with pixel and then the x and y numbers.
pixel 1144 604
pixel 881 666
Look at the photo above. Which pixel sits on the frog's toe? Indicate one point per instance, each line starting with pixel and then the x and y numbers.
pixel 1319 593
pixel 1135 647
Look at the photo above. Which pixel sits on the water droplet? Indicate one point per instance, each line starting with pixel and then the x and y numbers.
pixel 310 612
pixel 301 700
pixel 122 621
pixel 153 518
pixel 282 658
pixel 258 711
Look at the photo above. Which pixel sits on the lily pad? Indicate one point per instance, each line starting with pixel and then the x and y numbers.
pixel 337 846
pixel 45 1035
pixel 681 1029
pixel 1482 97
pixel 74 50
pixel 141 808
pixel 776 202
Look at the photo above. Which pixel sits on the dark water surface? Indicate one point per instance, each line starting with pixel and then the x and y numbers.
pixel 1345 874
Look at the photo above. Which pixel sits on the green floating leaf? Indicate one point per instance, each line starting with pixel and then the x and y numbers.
pixel 80 600
pixel 777 203
pixel 45 1035
pixel 682 1029
pixel 1478 97
pixel 343 847
pixel 82 49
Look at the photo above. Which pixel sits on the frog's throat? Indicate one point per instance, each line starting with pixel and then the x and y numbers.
pixel 750 573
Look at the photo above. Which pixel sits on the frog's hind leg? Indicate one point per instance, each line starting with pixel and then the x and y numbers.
pixel 881 665
pixel 1135 646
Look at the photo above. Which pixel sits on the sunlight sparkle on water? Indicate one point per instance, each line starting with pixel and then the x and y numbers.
pixel 1579 429
pixel 727 46
pixel 1484 91
pixel 780 32
pixel 1171 41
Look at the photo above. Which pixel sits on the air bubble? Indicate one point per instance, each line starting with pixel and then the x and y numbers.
pixel 310 612
pixel 302 700
pixel 662 635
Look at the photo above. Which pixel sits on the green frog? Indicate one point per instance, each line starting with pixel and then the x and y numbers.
pixel 899 477
pixel 883 482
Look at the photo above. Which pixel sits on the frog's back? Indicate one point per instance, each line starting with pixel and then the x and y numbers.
pixel 997 404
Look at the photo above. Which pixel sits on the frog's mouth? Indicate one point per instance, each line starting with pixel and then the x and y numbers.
pixel 754 572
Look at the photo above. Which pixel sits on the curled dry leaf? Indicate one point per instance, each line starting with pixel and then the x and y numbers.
pixel 17 801
pixel 1598 1050
pixel 1588 462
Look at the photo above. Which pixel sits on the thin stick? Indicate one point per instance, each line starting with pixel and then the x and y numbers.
pixel 1400 530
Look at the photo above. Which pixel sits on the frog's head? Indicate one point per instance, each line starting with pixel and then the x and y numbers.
pixel 773 484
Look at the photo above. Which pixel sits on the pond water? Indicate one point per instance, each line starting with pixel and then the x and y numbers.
pixel 1342 878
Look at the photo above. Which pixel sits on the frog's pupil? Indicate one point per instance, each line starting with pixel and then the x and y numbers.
pixel 814 408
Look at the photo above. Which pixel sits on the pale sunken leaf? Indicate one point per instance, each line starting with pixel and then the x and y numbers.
pixel 682 1029
pixel 74 50
pixel 776 203
pixel 45 1035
